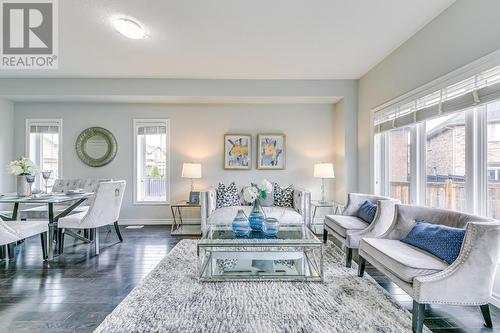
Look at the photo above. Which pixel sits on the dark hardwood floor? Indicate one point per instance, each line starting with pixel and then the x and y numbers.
pixel 76 291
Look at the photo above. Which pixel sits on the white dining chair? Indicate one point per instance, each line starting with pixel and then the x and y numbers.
pixel 14 231
pixel 104 210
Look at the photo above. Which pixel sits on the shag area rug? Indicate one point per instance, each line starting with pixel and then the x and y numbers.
pixel 171 299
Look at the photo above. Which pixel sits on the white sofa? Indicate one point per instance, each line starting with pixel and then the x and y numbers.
pixel 428 279
pixel 210 215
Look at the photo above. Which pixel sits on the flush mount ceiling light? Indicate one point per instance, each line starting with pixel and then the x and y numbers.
pixel 129 27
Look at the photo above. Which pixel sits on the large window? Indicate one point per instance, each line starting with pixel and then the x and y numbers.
pixel 151 161
pixel 43 147
pixel 444 147
pixel 445 162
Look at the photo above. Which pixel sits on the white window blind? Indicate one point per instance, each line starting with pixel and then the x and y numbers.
pixel 41 128
pixel 473 91
pixel 151 130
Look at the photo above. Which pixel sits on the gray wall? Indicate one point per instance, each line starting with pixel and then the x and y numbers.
pixel 464 32
pixel 196 135
pixel 6 145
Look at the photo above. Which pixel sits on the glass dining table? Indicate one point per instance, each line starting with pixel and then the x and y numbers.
pixel 73 201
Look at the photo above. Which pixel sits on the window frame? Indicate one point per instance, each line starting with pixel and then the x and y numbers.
pixel 385 167
pixel 476 162
pixel 163 121
pixel 45 121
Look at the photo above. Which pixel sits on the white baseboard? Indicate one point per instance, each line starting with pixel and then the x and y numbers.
pixel 157 221
pixel 495 300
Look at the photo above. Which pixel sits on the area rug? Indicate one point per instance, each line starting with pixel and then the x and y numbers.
pixel 171 299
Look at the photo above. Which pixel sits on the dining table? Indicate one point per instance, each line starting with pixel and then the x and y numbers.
pixel 72 200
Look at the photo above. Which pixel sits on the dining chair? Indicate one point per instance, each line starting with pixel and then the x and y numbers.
pixel 39 212
pixel 14 231
pixel 104 210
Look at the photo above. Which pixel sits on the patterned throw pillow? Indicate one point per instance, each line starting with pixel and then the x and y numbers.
pixel 283 197
pixel 227 196
pixel 442 241
pixel 367 211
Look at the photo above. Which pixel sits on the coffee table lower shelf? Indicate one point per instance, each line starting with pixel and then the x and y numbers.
pixel 260 264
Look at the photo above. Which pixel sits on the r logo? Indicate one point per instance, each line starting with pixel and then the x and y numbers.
pixel 29 34
pixel 27 28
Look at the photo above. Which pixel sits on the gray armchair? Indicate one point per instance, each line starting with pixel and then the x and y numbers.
pixel 428 279
pixel 348 229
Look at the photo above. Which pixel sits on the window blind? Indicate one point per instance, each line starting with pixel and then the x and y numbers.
pixel 44 128
pixel 151 129
pixel 474 91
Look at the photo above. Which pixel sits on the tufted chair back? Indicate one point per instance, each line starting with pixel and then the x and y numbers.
pixel 89 185
pixel 355 200
pixel 107 205
pixel 407 215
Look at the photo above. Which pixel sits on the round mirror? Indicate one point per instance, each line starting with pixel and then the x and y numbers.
pixel 96 146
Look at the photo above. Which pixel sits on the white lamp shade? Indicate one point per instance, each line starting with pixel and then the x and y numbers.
pixel 191 170
pixel 324 170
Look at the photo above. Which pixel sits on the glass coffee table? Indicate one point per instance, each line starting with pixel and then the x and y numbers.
pixel 295 254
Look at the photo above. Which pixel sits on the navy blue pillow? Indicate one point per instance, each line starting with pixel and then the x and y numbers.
pixel 367 211
pixel 442 241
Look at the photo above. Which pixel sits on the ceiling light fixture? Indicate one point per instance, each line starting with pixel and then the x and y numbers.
pixel 129 27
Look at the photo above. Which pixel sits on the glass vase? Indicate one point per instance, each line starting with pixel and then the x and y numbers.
pixel 256 217
pixel 240 225
pixel 271 227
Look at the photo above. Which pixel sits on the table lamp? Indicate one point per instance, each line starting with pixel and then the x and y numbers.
pixel 192 171
pixel 323 170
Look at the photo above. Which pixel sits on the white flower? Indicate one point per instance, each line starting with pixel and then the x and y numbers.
pixel 23 166
pixel 250 194
pixel 265 186
pixel 15 169
pixel 33 169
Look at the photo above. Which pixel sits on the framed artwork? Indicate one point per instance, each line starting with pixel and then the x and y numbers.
pixel 271 151
pixel 194 198
pixel 237 151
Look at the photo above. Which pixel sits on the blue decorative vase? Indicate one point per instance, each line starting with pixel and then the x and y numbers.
pixel 240 225
pixel 271 227
pixel 256 217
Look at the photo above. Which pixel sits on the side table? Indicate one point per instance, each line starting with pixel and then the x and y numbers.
pixel 333 207
pixel 178 226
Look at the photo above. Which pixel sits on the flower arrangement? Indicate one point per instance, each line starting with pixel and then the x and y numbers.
pixel 257 191
pixel 23 167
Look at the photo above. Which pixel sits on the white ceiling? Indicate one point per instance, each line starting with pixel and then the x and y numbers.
pixel 243 39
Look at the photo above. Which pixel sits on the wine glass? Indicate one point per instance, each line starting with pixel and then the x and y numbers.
pixel 46 177
pixel 30 180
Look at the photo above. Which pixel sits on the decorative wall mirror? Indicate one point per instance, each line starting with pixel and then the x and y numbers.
pixel 96 146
